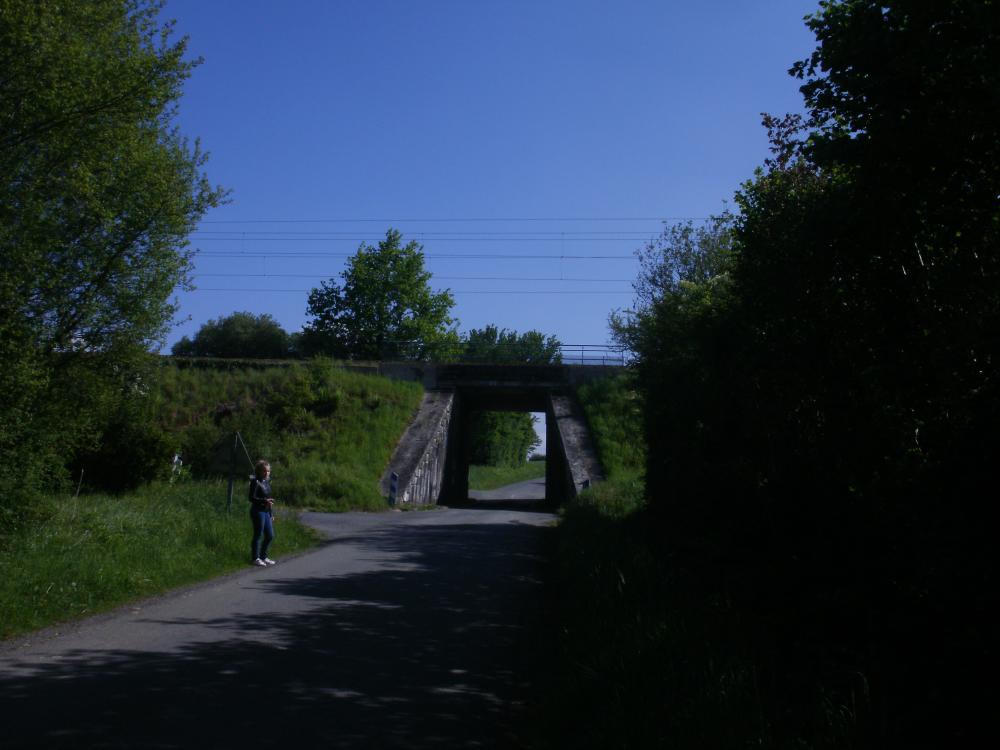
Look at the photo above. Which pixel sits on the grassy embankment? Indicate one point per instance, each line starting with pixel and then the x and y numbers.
pixel 609 625
pixel 328 434
pixel 492 477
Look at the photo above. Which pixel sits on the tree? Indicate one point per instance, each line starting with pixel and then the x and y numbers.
pixel 241 334
pixel 500 346
pixel 825 408
pixel 501 438
pixel 384 308
pixel 682 255
pixel 98 192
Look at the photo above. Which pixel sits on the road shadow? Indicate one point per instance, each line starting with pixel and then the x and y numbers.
pixel 437 651
pixel 521 505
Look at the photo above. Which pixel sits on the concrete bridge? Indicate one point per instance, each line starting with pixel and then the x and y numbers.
pixel 431 462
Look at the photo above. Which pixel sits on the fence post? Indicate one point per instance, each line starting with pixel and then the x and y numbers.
pixel 232 473
pixel 393 487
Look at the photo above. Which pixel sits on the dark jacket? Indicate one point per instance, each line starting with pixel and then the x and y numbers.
pixel 260 491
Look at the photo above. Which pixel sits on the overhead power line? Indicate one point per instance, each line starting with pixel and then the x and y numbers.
pixel 454 220
pixel 452 291
pixel 576 238
pixel 264 274
pixel 235 234
pixel 448 256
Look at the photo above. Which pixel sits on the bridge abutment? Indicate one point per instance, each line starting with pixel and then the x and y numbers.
pixel 432 459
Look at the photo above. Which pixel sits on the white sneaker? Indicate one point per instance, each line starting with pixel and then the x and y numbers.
pixel 260 563
pixel 269 561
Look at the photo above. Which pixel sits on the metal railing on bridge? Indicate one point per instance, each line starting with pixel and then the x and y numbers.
pixel 514 354
pixel 593 354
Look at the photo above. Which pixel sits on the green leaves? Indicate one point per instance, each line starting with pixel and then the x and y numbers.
pixel 820 407
pixel 500 346
pixel 98 193
pixel 241 334
pixel 384 309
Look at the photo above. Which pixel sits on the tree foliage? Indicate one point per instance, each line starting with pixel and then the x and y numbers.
pixel 384 308
pixel 241 334
pixel 830 381
pixel 500 346
pixel 501 438
pixel 98 192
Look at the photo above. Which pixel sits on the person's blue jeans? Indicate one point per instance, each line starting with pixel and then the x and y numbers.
pixel 263 533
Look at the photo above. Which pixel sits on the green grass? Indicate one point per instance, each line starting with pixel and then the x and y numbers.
pixel 491 477
pixel 613 411
pixel 95 552
pixel 643 656
pixel 328 433
pixel 649 649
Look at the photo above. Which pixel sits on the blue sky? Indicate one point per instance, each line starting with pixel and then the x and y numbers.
pixel 531 147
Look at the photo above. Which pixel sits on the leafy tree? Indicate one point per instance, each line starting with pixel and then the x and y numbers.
pixel 828 431
pixel 500 346
pixel 384 308
pixel 683 255
pixel 241 334
pixel 501 438
pixel 98 193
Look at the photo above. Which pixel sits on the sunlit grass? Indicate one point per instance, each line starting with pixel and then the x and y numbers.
pixel 327 432
pixel 95 552
pixel 491 477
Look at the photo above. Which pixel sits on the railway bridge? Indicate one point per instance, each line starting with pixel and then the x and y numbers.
pixel 431 462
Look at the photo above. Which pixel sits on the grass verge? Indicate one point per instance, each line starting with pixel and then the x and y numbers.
pixel 93 553
pixel 652 646
pixel 642 655
pixel 491 477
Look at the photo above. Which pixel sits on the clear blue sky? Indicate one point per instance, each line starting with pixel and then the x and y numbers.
pixel 515 134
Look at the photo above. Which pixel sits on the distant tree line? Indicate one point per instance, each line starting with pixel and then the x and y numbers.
pixel 820 379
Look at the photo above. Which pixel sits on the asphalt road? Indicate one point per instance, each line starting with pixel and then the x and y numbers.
pixel 415 630
pixel 531 489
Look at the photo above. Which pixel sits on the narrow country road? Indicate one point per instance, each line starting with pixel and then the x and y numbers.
pixel 413 630
pixel 530 489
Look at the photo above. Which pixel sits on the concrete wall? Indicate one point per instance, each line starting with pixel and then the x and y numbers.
pixel 575 464
pixel 420 458
pixel 432 458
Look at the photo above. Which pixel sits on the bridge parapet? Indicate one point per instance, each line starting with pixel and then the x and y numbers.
pixel 434 376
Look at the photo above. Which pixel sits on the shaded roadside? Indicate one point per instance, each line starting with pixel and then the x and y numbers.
pixel 429 643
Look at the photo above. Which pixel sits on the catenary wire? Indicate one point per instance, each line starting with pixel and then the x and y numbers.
pixel 453 220
pixel 436 278
pixel 452 291
pixel 447 256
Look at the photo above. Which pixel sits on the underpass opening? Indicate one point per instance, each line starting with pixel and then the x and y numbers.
pixel 431 463
pixel 507 457
pixel 471 400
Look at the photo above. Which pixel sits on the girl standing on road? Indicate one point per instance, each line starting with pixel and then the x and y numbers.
pixel 261 514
